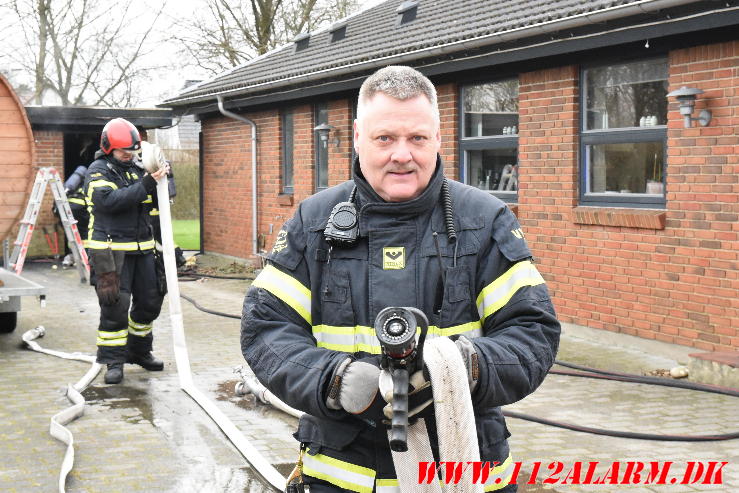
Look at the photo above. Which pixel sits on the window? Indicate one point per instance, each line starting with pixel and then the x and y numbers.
pixel 321 116
pixel 624 134
pixel 287 152
pixel 489 143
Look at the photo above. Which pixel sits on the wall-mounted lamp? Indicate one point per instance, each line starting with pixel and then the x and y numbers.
pixel 323 130
pixel 686 97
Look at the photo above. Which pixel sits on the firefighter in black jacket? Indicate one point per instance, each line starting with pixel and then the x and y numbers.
pixel 121 247
pixel 452 251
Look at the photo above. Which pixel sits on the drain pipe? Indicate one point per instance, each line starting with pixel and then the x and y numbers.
pixel 234 116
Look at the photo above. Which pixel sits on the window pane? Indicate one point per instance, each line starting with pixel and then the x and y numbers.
pixel 493 169
pixel 491 109
pixel 625 168
pixel 287 155
pixel 626 95
pixel 321 148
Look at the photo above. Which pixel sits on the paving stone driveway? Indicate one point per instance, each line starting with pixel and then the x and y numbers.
pixel 147 435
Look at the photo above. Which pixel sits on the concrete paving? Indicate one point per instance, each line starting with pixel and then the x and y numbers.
pixel 147 435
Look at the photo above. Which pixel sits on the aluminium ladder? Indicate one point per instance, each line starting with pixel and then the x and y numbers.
pixel 20 249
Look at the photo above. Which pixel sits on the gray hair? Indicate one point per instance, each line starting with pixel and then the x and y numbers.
pixel 399 82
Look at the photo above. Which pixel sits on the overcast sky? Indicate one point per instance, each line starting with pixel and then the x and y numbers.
pixel 170 70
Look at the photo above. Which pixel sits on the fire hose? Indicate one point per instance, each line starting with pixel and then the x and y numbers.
pixel 153 159
pixel 247 450
pixel 74 394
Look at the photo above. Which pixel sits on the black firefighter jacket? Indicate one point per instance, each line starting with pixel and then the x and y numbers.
pixel 303 314
pixel 120 202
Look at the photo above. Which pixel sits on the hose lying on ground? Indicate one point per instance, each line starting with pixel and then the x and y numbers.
pixel 598 374
pixel 62 418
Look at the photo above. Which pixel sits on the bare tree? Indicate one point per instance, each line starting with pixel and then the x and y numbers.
pixel 227 33
pixel 81 51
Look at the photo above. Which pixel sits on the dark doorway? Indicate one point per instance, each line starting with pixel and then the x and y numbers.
pixel 79 150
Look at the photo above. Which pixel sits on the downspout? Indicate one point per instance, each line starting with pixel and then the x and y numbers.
pixel 234 116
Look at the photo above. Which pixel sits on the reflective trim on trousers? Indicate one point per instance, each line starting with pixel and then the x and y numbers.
pixel 501 474
pixel 137 329
pixel 340 473
pixel 495 295
pixel 106 338
pixel 286 288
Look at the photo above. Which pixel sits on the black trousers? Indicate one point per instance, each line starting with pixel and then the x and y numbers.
pixel 121 331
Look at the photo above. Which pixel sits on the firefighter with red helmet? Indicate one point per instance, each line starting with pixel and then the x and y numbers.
pixel 121 250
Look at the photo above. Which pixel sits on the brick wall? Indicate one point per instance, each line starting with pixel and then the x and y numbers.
pixel 669 275
pixel 49 147
pixel 666 275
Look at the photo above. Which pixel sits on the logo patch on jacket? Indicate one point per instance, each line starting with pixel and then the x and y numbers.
pixel 518 233
pixel 280 242
pixel 393 258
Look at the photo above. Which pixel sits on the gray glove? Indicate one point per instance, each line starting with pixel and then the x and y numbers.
pixel 355 388
pixel 420 395
pixel 470 358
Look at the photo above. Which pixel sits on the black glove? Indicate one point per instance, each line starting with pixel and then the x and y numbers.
pixel 107 287
pixel 179 257
pixel 161 273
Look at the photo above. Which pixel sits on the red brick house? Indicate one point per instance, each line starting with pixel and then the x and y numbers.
pixel 558 108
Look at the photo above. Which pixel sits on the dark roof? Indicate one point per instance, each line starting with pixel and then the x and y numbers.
pixel 88 117
pixel 374 38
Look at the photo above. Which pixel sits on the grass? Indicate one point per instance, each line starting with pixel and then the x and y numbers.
pixel 186 233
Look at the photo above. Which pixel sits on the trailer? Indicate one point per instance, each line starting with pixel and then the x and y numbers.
pixel 12 288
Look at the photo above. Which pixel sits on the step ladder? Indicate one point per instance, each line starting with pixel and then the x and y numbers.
pixel 20 247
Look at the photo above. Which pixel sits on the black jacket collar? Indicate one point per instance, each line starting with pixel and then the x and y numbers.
pixel 368 198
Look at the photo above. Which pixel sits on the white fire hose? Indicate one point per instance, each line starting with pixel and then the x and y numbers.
pixel 455 419
pixel 153 157
pixel 64 417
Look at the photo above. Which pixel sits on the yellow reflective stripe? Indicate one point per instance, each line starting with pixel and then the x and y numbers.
pixel 139 332
pixel 362 338
pixel 137 325
pixel 99 183
pixel 387 486
pixel 104 334
pixel 469 330
pixel 90 225
pixel 286 288
pixel 106 338
pixel 112 342
pixel 495 295
pixel 154 212
pixel 340 473
pixel 74 200
pixel 147 201
pixel 497 473
pixel 113 245
pixel 138 329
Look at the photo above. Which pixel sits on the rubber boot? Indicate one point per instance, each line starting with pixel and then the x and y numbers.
pixel 148 361
pixel 114 373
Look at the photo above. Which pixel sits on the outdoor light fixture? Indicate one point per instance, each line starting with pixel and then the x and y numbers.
pixel 686 97
pixel 324 129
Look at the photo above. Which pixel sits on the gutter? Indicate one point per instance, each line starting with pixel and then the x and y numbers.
pixel 579 20
pixel 234 116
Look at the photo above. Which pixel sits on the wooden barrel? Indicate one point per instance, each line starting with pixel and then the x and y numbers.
pixel 16 159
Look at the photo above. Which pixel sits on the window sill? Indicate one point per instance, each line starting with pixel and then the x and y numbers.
pixel 614 216
pixel 285 199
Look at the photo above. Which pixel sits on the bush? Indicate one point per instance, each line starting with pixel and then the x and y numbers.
pixel 187 202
